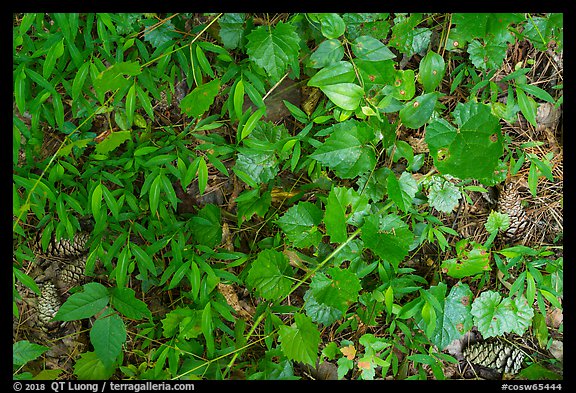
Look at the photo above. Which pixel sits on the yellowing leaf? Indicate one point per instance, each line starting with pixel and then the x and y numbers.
pixel 349 351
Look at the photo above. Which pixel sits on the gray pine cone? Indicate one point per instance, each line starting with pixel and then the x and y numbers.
pixel 495 354
pixel 48 306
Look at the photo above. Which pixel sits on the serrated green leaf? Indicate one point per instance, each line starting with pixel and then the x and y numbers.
pixel 346 151
pixel 200 98
pixel 206 226
pixel 124 301
pixel 267 275
pixel 107 336
pixel 90 367
pixel 344 206
pixel 300 341
pixel 250 202
pixel 113 77
pixel 388 237
pixel 112 141
pixel 300 222
pixel 84 304
pixel 472 151
pixel 231 29
pixel 443 195
pixel 402 190
pixel 497 222
pixel 496 316
pixel 339 290
pixel 24 351
pixel 320 312
pixel 487 55
pixel 273 48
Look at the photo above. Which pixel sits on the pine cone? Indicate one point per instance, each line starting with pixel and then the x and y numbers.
pixel 64 248
pixel 71 273
pixel 509 203
pixel 48 306
pixel 495 354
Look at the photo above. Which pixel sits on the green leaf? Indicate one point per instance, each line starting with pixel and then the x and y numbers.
pixel 369 48
pixel 184 321
pixel 300 222
pixel 113 77
pixel 24 351
pixel 340 72
pixel 200 99
pixel 107 336
pixel 112 141
pixel 528 106
pixel 472 259
pixel 403 190
pixel 96 201
pixel 443 195
pixel 273 48
pixel 345 95
pixel 124 301
pixel 202 175
pixel 268 275
pixel 320 312
pixel 206 226
pixel 536 92
pixel 131 104
pixel 300 341
pixel 84 304
pixel 454 317
pixel 431 70
pixel 252 121
pixel 487 55
pixel 238 99
pixel 472 151
pixel 207 328
pixel 231 29
pixel 346 151
pixel 418 111
pixel 496 316
pixel 90 367
pixel 328 52
pixel 332 25
pixel 79 79
pixel 497 222
pixel 338 214
pixel 54 53
pixel 154 194
pixel 338 290
pixel 250 202
pixel 388 237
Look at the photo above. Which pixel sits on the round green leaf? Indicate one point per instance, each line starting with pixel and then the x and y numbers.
pixel 431 71
pixel 327 53
pixel 418 111
pixel 332 25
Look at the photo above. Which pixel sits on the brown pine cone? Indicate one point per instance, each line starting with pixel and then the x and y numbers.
pixel 509 202
pixel 71 273
pixel 48 306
